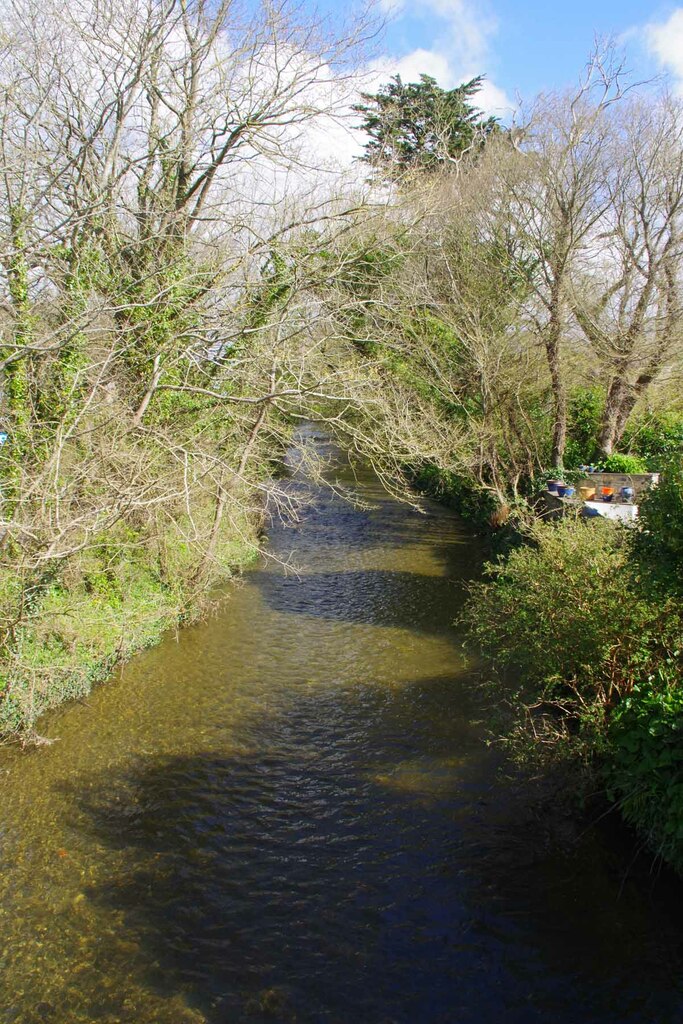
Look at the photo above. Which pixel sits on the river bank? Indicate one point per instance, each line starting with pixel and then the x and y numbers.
pixel 586 618
pixel 120 597
pixel 289 812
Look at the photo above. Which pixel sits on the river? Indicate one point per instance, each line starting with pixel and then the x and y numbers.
pixel 289 813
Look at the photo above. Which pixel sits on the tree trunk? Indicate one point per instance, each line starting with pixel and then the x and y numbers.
pixel 552 347
pixel 607 435
pixel 621 401
pixel 149 393
pixel 639 388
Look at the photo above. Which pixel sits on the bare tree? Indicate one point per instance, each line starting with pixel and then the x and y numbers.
pixel 158 213
pixel 554 185
pixel 628 298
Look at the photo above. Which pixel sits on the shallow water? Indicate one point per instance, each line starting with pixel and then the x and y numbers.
pixel 289 813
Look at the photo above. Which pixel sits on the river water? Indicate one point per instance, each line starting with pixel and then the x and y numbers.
pixel 289 813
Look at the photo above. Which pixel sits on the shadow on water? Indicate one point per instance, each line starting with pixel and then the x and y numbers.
pixel 377 597
pixel 299 882
pixel 317 832
pixel 311 881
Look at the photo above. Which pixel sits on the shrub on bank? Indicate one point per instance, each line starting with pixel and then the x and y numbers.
pixel 461 493
pixel 652 439
pixel 645 767
pixel 564 612
pixel 594 631
pixel 657 439
pixel 620 463
pixel 660 539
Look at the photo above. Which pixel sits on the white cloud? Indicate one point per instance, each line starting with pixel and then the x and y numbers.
pixel 461 49
pixel 333 142
pixel 411 66
pixel 491 98
pixel 665 41
pixel 470 25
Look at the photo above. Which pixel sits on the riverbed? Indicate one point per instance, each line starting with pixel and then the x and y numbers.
pixel 290 812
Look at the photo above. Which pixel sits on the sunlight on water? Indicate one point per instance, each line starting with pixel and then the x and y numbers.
pixel 280 815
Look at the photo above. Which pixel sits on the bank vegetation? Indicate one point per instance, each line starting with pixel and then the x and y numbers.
pixel 524 305
pixel 187 272
pixel 163 204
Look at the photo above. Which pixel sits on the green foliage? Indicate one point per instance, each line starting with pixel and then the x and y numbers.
pixel 555 609
pixel 595 632
pixel 619 463
pixel 424 329
pixel 365 265
pixel 365 268
pixel 661 523
pixel 645 767
pixel 459 492
pixel 650 441
pixel 67 380
pixel 17 380
pixel 115 599
pixel 586 406
pixel 574 615
pixel 657 438
pixel 277 280
pixel 419 124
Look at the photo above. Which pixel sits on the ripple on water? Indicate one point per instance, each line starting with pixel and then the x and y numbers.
pixel 289 814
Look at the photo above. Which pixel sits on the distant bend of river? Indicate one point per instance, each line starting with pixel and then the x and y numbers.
pixel 289 814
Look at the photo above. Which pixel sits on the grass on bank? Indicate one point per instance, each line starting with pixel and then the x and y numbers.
pixel 113 601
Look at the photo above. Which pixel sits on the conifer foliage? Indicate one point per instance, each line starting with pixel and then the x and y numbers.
pixel 420 125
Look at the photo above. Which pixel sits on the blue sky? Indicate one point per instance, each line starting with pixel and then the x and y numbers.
pixel 525 46
pixel 541 44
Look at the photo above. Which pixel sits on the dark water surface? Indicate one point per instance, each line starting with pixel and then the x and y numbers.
pixel 289 814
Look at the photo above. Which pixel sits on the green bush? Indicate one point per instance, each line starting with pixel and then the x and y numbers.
pixel 110 601
pixel 461 493
pixel 645 769
pixel 575 616
pixel 594 632
pixel 657 439
pixel 618 463
pixel 555 610
pixel 586 407
pixel 661 521
pixel 654 439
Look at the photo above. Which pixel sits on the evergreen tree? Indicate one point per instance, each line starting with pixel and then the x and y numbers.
pixel 419 124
